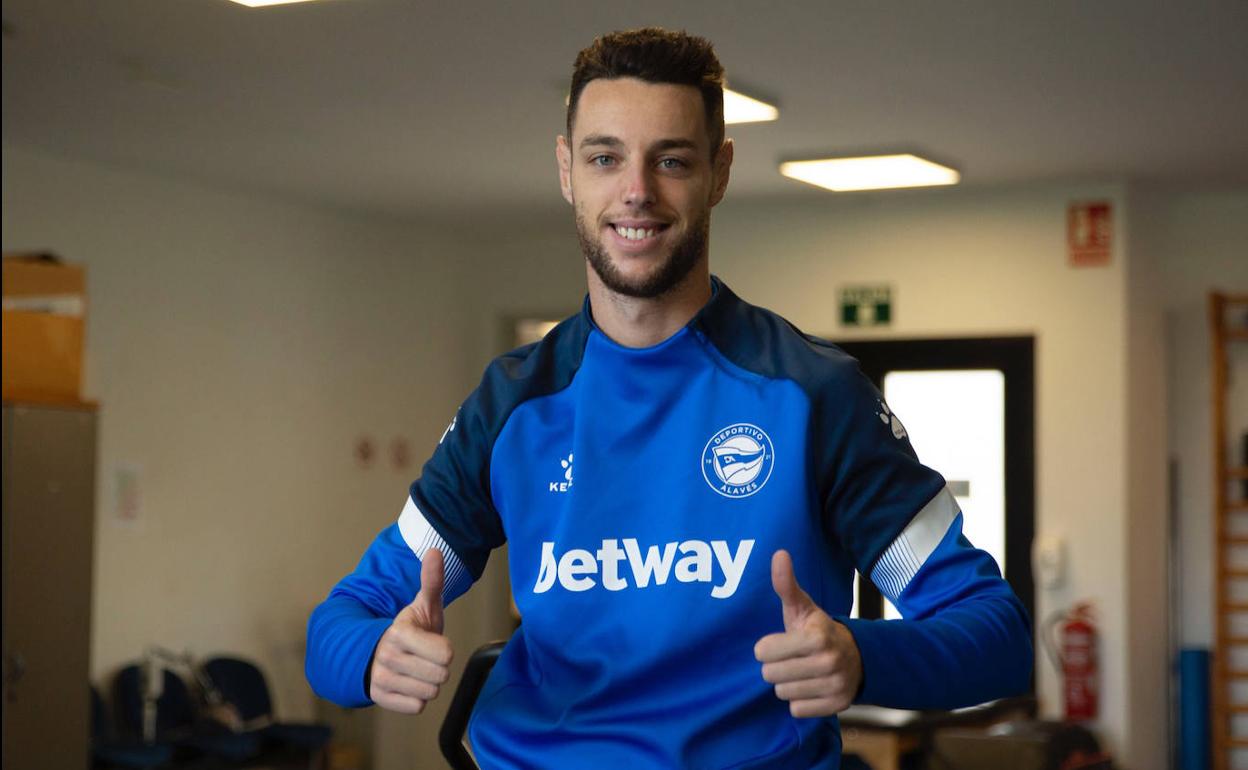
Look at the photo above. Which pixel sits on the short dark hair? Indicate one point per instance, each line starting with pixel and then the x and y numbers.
pixel 655 55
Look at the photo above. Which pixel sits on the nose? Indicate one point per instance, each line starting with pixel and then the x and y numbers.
pixel 638 187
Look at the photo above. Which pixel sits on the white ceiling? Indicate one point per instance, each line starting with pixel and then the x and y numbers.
pixel 425 109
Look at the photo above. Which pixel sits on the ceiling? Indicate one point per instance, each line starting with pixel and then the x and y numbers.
pixel 422 109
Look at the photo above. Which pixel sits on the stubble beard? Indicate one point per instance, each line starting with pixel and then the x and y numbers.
pixel 685 255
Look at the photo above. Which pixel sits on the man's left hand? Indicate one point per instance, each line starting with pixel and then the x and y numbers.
pixel 814 664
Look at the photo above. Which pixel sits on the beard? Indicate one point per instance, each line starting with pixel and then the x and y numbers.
pixel 685 254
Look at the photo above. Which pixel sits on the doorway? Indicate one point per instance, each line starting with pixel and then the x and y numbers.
pixel 969 407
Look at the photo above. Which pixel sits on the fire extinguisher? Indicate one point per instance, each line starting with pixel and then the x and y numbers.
pixel 1074 654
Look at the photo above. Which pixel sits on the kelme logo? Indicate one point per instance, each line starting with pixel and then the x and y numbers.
pixel 737 461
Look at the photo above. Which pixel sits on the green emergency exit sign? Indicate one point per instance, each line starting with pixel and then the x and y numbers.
pixel 867 305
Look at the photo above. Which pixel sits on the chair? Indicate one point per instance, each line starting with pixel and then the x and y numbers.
pixel 242 685
pixel 175 721
pixel 451 735
pixel 109 751
pixel 476 671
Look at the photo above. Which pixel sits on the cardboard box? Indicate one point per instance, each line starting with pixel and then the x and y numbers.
pixel 44 315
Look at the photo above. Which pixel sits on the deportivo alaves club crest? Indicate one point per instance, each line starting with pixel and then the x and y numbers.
pixel 737 461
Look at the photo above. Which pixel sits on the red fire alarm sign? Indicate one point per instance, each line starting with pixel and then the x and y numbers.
pixel 1089 233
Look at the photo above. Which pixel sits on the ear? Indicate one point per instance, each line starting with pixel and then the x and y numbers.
pixel 720 173
pixel 563 157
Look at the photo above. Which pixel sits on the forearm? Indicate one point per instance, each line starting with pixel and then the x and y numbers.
pixel 976 651
pixel 342 633
pixel 344 629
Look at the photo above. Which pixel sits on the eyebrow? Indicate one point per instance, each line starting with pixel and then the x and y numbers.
pixel 600 139
pixel 604 140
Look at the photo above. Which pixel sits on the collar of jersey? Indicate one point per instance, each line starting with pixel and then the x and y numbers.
pixel 721 298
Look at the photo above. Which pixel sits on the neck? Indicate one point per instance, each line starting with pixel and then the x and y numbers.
pixel 639 323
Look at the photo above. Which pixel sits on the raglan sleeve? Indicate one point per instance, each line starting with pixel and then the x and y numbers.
pixel 964 637
pixel 448 508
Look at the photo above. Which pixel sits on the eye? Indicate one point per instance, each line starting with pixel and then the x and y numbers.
pixel 672 164
pixel 602 161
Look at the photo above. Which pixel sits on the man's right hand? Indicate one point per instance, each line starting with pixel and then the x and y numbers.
pixel 412 659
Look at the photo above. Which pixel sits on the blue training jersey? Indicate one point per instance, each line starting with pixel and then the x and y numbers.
pixel 642 493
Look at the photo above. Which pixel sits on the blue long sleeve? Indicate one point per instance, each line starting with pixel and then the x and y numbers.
pixel 965 637
pixel 342 634
pixel 344 629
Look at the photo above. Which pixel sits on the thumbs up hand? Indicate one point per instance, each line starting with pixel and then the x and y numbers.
pixel 412 658
pixel 814 664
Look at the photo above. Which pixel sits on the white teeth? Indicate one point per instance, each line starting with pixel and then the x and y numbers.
pixel 634 234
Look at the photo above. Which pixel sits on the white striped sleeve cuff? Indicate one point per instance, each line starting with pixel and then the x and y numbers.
pixel 901 562
pixel 420 536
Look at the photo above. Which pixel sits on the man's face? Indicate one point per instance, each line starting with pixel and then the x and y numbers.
pixel 639 174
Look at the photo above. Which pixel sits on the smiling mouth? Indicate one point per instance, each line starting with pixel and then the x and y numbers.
pixel 638 234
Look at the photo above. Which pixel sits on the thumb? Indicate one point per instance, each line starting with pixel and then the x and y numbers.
pixel 428 602
pixel 795 602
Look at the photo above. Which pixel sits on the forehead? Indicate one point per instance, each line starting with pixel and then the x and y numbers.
pixel 637 111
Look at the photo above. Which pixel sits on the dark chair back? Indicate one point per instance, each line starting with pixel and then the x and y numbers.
pixel 451 736
pixel 242 685
pixel 110 752
pixel 175 713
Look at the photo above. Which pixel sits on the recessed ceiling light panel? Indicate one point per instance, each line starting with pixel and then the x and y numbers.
pixel 876 172
pixel 262 3
pixel 739 108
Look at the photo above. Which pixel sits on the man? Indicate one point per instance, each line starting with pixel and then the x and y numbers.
pixel 687 484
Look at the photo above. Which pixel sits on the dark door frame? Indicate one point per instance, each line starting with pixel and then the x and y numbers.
pixel 1015 357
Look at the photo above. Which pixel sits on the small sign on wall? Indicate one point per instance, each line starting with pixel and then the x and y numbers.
pixel 128 494
pixel 867 305
pixel 1089 233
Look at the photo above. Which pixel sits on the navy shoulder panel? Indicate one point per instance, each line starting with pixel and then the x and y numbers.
pixel 762 342
pixel 868 480
pixel 453 491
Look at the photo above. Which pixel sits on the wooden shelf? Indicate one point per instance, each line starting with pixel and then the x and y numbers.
pixel 19 399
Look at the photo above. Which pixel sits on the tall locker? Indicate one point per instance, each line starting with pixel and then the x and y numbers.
pixel 48 535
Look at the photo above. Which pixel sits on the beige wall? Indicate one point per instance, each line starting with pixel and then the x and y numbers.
pixel 1145 521
pixel 238 347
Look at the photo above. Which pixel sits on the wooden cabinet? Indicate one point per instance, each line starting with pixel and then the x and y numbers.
pixel 48 536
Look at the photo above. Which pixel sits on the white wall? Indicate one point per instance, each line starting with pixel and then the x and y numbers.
pixel 238 347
